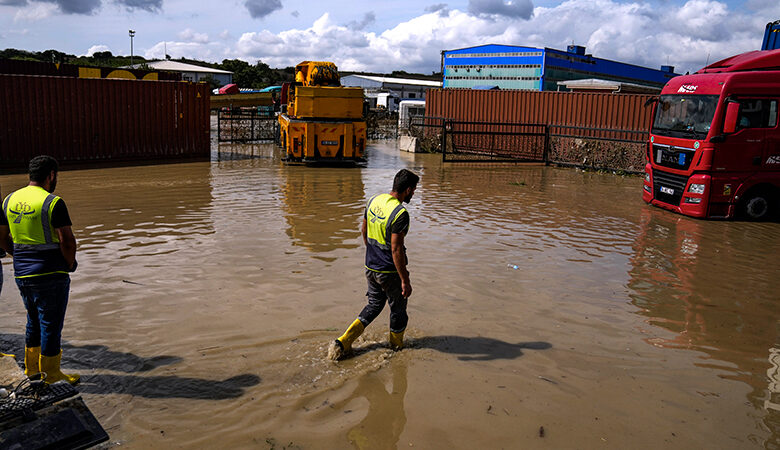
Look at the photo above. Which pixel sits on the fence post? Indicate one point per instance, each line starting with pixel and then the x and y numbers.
pixel 546 155
pixel 444 140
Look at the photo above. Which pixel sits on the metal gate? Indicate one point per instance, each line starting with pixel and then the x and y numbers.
pixel 494 142
pixel 246 125
pixel 461 141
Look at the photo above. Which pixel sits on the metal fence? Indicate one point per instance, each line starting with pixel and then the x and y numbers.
pixel 597 148
pixel 246 125
pixel 495 142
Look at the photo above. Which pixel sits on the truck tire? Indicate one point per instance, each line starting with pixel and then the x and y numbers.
pixel 758 205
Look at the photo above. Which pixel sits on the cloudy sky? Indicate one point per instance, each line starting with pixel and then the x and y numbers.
pixel 385 35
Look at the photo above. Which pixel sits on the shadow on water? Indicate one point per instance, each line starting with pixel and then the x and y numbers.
pixel 477 348
pixel 169 386
pixel 77 357
pixel 100 356
pixel 470 348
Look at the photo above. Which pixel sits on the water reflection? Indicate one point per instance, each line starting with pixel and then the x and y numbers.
pixel 322 206
pixel 385 421
pixel 705 283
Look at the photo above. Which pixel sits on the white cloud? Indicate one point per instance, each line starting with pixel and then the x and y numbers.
pixel 191 36
pixel 644 33
pixel 36 11
pixel 97 48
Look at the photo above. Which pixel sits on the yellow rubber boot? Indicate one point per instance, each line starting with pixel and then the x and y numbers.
pixel 51 366
pixel 32 357
pixel 343 345
pixel 396 340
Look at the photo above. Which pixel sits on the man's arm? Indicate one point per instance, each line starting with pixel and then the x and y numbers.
pixel 364 231
pixel 5 239
pixel 399 259
pixel 67 245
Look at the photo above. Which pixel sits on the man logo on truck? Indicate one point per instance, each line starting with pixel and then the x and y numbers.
pixel 687 88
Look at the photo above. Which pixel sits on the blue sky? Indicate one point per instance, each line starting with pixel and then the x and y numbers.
pixel 389 35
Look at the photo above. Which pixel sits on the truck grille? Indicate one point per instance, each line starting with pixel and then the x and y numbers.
pixel 668 181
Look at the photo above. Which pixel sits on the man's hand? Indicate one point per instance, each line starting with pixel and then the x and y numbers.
pixel 67 245
pixel 406 289
pixel 6 243
pixel 399 259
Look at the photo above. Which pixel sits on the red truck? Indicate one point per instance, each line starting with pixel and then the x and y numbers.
pixel 714 149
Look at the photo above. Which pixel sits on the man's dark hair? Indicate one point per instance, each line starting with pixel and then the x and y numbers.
pixel 404 179
pixel 41 166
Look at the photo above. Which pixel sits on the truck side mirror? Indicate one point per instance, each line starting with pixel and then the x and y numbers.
pixel 732 115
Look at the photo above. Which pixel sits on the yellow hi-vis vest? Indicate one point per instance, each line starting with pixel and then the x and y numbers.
pixel 36 245
pixel 381 212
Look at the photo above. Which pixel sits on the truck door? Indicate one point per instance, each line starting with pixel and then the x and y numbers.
pixel 771 157
pixel 744 151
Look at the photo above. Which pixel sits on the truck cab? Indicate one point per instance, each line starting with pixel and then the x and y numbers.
pixel 714 149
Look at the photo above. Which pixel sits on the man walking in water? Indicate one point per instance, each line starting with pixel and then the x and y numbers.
pixel 385 224
pixel 35 228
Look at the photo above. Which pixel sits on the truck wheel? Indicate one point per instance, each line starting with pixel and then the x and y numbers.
pixel 758 206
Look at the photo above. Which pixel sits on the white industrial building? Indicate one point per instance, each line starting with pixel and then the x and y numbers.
pixel 388 92
pixel 189 72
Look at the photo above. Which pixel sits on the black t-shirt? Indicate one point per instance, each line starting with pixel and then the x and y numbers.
pixel 59 216
pixel 401 224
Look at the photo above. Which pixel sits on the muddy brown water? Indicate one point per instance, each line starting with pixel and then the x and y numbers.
pixel 207 294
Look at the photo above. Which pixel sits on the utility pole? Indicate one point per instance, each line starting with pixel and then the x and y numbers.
pixel 132 34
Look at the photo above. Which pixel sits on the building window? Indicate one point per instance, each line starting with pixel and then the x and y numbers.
pixel 477 55
pixel 412 95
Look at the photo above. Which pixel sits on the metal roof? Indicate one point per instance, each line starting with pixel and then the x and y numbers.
pixel 399 80
pixel 614 86
pixel 176 66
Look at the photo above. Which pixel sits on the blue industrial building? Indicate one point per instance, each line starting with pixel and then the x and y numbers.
pixel 539 69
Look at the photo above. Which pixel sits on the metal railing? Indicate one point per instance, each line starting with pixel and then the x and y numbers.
pixel 246 125
pixel 462 141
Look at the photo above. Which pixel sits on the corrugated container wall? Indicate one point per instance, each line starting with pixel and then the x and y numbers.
pixel 592 110
pixel 92 120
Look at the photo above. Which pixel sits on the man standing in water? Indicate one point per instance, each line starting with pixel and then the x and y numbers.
pixel 35 228
pixel 385 224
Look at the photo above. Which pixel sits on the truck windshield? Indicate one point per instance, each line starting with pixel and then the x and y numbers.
pixel 687 116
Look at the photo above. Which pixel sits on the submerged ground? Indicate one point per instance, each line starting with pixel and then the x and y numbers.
pixel 551 309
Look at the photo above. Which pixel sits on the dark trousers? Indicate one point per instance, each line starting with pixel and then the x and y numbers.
pixel 46 299
pixel 385 288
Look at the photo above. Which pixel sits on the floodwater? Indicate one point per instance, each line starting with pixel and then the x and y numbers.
pixel 207 294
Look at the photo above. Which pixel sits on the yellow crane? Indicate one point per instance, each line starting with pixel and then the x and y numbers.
pixel 324 120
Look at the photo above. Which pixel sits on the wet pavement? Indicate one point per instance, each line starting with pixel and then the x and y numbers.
pixel 551 308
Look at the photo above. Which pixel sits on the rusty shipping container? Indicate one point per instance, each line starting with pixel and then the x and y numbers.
pixel 563 109
pixel 80 120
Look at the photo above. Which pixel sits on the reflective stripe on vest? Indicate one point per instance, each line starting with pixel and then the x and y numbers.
pixel 28 212
pixel 380 218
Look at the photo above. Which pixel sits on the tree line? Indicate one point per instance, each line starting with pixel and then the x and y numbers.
pixel 245 75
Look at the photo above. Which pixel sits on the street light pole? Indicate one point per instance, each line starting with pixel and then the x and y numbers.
pixel 132 33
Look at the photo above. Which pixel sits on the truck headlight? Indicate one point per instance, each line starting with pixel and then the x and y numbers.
pixel 647 177
pixel 696 188
pixel 695 200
